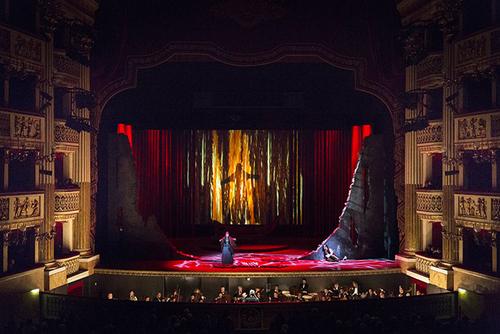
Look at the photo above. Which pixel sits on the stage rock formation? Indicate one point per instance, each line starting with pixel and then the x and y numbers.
pixel 362 227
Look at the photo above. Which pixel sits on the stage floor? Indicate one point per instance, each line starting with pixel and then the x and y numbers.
pixel 282 261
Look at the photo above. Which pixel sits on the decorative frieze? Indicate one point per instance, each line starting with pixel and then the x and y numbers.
pixel 64 65
pixel 65 135
pixel 67 201
pixel 472 48
pixel 481 127
pixel 71 263
pixel 21 207
pixel 423 263
pixel 429 71
pixel 25 127
pixel 433 134
pixel 17 45
pixel 472 207
pixel 471 128
pixel 480 211
pixel 430 202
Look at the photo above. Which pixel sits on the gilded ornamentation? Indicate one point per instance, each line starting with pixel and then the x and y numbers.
pixel 422 264
pixel 72 265
pixel 469 207
pixel 495 125
pixel 431 134
pixel 495 208
pixel 471 49
pixel 4 125
pixel 431 65
pixel 27 127
pixel 429 202
pixel 28 48
pixel 413 38
pixel 471 128
pixel 65 65
pixel 67 201
pixel 4 209
pixel 26 208
pixel 63 134
pixel 4 41
pixel 448 16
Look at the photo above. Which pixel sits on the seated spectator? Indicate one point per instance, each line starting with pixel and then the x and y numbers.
pixel 159 297
pixel 252 297
pixel 131 296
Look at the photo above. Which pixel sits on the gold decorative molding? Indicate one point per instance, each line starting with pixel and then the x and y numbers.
pixel 431 136
pixel 67 201
pixel 484 127
pixel 430 202
pixel 340 273
pixel 423 263
pixel 21 208
pixel 478 211
pixel 71 263
pixel 65 138
pixel 429 72
pixel 19 127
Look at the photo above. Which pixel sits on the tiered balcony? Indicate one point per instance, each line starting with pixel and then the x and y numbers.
pixel 22 49
pixel 66 202
pixel 71 262
pixel 424 263
pixel 430 139
pixel 66 70
pixel 21 209
pixel 66 139
pixel 478 127
pixel 477 210
pixel 429 72
pixel 478 49
pixel 21 128
pixel 430 203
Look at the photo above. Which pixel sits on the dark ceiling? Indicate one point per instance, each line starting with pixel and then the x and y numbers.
pixel 215 95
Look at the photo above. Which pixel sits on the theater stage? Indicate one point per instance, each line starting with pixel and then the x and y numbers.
pixel 278 259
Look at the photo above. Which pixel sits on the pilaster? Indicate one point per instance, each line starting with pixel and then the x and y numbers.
pixel 450 182
pixel 413 176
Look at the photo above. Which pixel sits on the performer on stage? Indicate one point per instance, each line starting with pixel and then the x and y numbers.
pixel 330 255
pixel 227 245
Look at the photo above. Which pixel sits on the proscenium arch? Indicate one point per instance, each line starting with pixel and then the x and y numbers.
pixel 202 51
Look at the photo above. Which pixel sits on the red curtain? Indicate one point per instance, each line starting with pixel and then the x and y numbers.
pixel 159 157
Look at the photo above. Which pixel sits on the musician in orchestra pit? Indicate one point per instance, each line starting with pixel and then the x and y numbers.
pixel 304 287
pixel 227 244
pixel 239 295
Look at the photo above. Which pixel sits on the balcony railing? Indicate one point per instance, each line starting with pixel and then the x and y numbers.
pixel 477 209
pixel 429 72
pixel 66 201
pixel 66 68
pixel 71 263
pixel 480 47
pixel 482 127
pixel 21 127
pixel 431 138
pixel 21 48
pixel 429 202
pixel 65 138
pixel 21 208
pixel 423 263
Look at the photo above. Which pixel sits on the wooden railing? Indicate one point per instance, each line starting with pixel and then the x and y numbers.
pixel 477 48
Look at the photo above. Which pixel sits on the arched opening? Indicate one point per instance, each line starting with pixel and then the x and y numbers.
pixel 294 128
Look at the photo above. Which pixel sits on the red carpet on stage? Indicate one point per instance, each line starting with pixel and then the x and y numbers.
pixel 279 261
